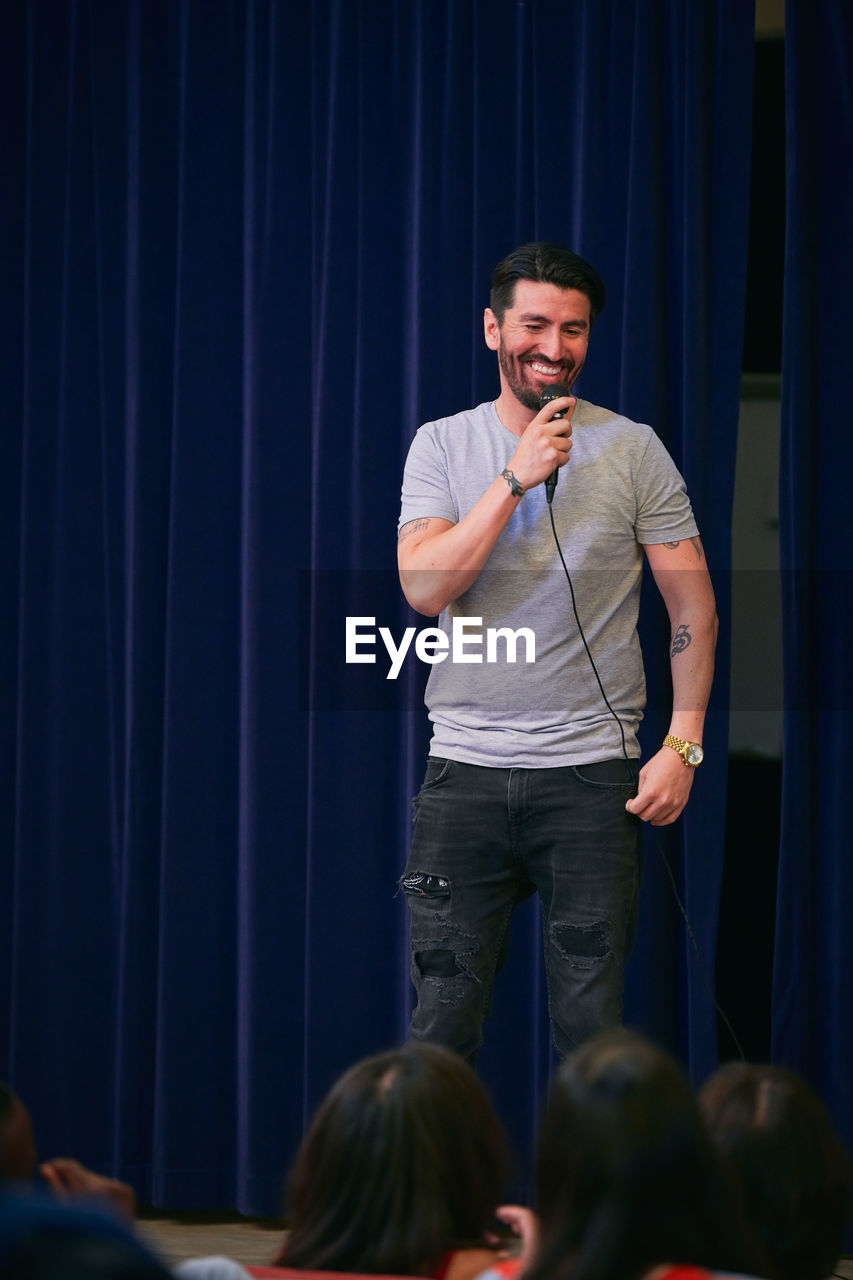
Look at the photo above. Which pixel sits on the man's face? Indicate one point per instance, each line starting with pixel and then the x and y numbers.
pixel 542 340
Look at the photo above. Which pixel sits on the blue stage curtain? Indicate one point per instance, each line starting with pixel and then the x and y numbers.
pixel 813 953
pixel 246 248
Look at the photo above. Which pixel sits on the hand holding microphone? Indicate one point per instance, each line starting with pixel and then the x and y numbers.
pixel 543 440
pixel 553 392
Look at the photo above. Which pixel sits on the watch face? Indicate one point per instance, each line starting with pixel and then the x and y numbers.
pixel 694 754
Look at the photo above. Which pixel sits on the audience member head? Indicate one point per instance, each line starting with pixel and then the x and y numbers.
pixel 17 1147
pixel 627 1176
pixel 790 1168
pixel 404 1160
pixel 45 1239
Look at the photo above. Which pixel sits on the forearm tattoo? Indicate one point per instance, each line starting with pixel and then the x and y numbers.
pixel 515 488
pixel 681 640
pixel 414 526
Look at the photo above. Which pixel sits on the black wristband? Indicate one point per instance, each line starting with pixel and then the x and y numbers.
pixel 515 488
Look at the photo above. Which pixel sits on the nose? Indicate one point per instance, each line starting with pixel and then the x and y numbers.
pixel 551 345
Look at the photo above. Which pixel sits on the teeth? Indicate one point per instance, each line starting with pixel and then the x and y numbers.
pixel 544 368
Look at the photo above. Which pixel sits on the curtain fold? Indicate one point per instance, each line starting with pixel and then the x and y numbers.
pixel 813 959
pixel 246 251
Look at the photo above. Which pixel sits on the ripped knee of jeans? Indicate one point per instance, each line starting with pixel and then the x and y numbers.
pixel 438 962
pixel 440 949
pixel 582 945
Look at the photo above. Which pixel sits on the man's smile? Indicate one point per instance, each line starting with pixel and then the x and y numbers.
pixel 545 368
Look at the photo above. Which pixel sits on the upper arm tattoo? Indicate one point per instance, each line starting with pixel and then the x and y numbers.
pixel 413 526
pixel 695 542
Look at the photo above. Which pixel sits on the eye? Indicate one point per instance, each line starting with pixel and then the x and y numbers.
pixel 533 328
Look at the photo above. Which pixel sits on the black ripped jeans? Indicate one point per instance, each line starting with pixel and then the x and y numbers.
pixel 483 840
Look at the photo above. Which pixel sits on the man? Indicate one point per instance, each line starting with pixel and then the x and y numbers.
pixel 530 785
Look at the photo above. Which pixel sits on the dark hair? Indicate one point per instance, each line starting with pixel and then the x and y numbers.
pixel 7 1101
pixel 792 1171
pixel 42 1238
pixel 546 264
pixel 17 1154
pixel 627 1175
pixel 59 1256
pixel 404 1160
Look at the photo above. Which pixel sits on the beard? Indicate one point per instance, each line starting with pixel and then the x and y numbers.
pixel 525 390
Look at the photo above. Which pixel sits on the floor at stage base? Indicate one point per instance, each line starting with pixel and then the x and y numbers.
pixel 174 1237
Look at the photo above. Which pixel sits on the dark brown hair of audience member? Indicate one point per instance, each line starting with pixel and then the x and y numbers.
pixel 59 1256
pixel 45 1238
pixel 404 1161
pixel 793 1173
pixel 17 1148
pixel 627 1176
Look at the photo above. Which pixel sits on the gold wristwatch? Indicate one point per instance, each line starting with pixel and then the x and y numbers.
pixel 690 752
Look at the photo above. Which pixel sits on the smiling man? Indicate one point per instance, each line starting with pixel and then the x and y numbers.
pixel 532 782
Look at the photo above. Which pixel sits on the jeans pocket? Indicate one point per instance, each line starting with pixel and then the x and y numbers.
pixel 608 775
pixel 436 771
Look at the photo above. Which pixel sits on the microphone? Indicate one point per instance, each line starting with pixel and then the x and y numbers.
pixel 553 393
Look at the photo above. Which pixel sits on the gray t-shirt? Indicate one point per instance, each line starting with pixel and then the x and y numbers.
pixel 619 489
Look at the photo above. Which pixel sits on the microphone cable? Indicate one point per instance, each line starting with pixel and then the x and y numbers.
pixel 630 764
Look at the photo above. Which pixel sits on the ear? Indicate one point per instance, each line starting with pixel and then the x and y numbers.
pixel 491 329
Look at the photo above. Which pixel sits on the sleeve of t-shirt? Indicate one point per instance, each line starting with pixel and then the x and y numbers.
pixel 664 513
pixel 426 484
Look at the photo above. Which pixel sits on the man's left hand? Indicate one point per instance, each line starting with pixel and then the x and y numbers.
pixel 664 786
